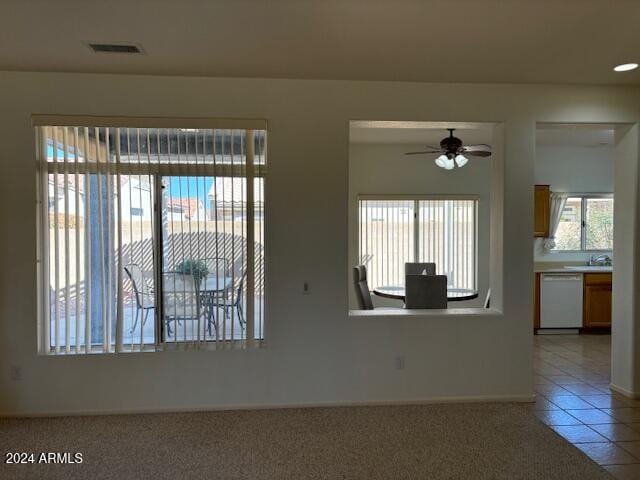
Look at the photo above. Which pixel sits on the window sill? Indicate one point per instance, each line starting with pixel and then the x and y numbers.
pixel 188 346
pixel 392 313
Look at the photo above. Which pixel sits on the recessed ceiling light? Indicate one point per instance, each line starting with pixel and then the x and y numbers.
pixel 625 67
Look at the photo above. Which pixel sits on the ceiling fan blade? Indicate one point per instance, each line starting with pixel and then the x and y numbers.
pixel 479 150
pixel 420 153
pixel 478 153
pixel 478 146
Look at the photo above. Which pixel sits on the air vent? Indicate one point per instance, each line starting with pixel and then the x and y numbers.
pixel 115 48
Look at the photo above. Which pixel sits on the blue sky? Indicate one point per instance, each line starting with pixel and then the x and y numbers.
pixel 184 187
pixel 190 187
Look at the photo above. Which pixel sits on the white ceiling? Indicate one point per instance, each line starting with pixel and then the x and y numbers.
pixel 430 133
pixel 537 41
pixel 418 133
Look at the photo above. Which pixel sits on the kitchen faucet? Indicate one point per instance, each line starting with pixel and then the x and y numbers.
pixel 603 259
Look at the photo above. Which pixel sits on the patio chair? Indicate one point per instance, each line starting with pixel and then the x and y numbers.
pixel 143 291
pixel 417 268
pixel 232 299
pixel 426 291
pixel 180 299
pixel 219 266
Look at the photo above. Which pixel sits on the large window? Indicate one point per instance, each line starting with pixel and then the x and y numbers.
pixel 150 238
pixel 395 231
pixel 586 223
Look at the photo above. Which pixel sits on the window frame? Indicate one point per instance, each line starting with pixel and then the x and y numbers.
pixel 257 170
pixel 583 227
pixel 417 198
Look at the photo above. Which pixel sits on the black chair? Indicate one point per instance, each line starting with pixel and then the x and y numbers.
pixel 361 286
pixel 426 291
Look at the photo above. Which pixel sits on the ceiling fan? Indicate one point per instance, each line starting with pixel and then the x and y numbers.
pixel 453 151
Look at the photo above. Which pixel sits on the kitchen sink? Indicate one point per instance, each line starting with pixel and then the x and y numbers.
pixel 590 268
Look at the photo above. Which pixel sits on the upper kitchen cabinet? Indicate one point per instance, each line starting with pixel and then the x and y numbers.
pixel 541 211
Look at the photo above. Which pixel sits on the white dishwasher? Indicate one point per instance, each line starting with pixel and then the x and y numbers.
pixel 561 300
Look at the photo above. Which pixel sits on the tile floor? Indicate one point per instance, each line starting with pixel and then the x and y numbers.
pixel 572 374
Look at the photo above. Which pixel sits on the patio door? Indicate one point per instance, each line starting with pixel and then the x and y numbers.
pixel 204 246
pixel 149 237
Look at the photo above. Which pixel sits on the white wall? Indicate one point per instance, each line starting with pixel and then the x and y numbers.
pixel 572 169
pixel 315 352
pixel 625 329
pixel 575 169
pixel 385 169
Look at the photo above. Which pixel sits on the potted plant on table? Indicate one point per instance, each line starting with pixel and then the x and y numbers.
pixel 196 268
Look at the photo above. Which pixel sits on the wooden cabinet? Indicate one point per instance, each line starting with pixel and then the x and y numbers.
pixel 597 300
pixel 542 205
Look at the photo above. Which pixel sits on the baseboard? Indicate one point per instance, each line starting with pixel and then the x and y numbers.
pixel 624 392
pixel 557 331
pixel 372 403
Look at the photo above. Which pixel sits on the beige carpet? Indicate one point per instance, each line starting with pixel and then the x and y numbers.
pixel 473 441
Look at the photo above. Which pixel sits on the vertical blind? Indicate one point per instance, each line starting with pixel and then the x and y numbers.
pixel 150 237
pixel 395 231
pixel 387 239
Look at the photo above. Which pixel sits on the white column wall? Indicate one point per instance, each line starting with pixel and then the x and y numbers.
pixel 315 353
pixel 625 331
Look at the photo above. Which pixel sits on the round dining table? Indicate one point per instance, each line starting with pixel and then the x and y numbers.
pixel 397 292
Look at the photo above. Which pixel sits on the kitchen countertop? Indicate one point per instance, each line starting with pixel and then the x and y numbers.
pixel 573 269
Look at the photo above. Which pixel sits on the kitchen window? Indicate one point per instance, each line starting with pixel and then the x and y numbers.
pixel 396 230
pixel 151 234
pixel 586 224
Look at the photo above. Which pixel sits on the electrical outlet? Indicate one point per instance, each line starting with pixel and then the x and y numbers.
pixel 306 289
pixel 16 373
pixel 400 362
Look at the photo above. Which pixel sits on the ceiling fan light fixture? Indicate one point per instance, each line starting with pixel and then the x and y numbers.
pixel 442 161
pixel 625 67
pixel 451 150
pixel 461 160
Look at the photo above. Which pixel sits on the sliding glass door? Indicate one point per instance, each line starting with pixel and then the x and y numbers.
pixel 393 231
pixel 150 237
pixel 204 246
